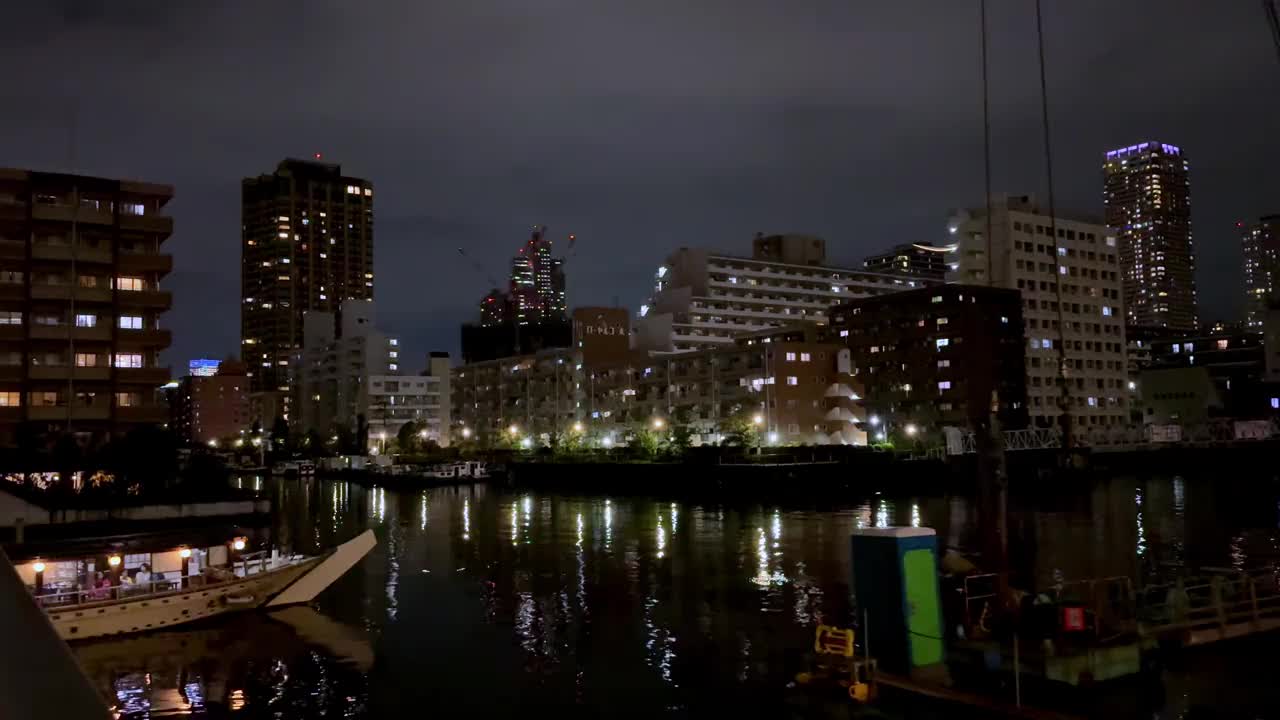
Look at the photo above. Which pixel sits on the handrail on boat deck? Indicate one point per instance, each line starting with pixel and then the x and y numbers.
pixel 171 586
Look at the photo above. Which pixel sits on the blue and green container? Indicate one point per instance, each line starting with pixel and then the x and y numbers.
pixel 895 582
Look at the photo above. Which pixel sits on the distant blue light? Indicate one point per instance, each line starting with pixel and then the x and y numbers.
pixel 203 367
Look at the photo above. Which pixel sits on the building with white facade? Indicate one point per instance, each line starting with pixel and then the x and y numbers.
pixel 703 300
pixel 394 400
pixel 1068 271
pixel 339 355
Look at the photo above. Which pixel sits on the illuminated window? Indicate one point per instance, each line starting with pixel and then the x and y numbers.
pixel 128 399
pixel 130 322
pixel 129 283
pixel 937 298
pixel 14 399
pixel 942 342
pixel 791 357
pixel 793 380
pixel 1222 344
pixel 86 360
pixel 393 367
pixel 944 385
pixel 944 363
pixel 86 320
pixel 393 342
pixel 128 360
pixel 804 357
pixel 844 333
pixel 9 317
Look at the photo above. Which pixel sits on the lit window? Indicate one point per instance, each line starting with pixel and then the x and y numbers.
pixel 793 380
pixel 1106 311
pixel 1222 344
pixel 393 354
pixel 944 385
pixel 937 298
pixel 943 321
pixel 133 208
pixel 1189 347
pixel 1062 269
pixel 791 357
pixel 13 399
pixel 1093 402
pixel 942 342
pixel 368 192
pixel 1176 348
pixel 1004 319
pixel 1047 343
pixel 1275 403
pixel 86 360
pixel 393 366
pixel 944 363
pixel 804 357
pixel 86 320
pixel 128 360
pixel 130 322
pixel 393 342
pixel 844 333
pixel 128 399
pixel 129 283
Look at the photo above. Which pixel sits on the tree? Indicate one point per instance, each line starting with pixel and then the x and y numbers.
pixel 314 443
pixel 281 442
pixel 407 437
pixel 645 442
pixel 681 432
pixel 740 429
pixel 360 445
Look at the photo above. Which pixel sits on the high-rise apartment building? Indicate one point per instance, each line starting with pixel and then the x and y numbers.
pixel 1148 204
pixel 530 315
pixel 1068 271
pixel 306 245
pixel 705 300
pixel 340 353
pixel 81 304
pixel 1261 245
pixel 918 259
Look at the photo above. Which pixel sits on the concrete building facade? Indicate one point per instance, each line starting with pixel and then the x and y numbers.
pixel 394 400
pixel 81 265
pixel 1068 271
pixel 339 356
pixel 704 300
pixel 214 407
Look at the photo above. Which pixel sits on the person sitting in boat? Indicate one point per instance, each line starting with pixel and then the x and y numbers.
pixel 102 587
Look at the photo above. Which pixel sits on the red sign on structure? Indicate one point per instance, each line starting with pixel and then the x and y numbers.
pixel 1073 619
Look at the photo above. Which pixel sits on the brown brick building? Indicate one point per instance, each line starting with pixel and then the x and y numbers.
pixel 944 355
pixel 81 303
pixel 216 406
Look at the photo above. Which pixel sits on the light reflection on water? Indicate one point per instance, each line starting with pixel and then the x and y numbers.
pixel 616 603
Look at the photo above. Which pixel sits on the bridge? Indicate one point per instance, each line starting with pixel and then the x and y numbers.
pixel 1126 438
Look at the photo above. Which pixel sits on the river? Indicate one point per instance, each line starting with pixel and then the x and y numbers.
pixel 494 603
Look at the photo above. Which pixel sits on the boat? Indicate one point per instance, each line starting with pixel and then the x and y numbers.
pixel 294 467
pixel 254 580
pixel 467 469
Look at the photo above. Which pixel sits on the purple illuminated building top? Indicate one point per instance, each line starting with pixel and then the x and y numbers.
pixel 1140 147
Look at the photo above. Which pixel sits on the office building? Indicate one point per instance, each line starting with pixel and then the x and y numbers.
pixel 340 353
pixel 705 300
pixel 394 400
pixel 950 355
pixel 1148 204
pixel 81 305
pixel 213 408
pixel 917 259
pixel 1235 361
pixel 306 246
pixel 1261 245
pixel 1068 272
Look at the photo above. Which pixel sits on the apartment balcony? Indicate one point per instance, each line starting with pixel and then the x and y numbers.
pixel 12 333
pixel 154 299
pixel 62 253
pixel 88 214
pixel 13 211
pixel 58 413
pixel 61 332
pixel 64 372
pixel 153 414
pixel 143 376
pixel 154 337
pixel 10 373
pixel 162 224
pixel 12 250
pixel 63 292
pixel 145 263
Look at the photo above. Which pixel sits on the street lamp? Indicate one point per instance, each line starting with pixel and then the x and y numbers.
pixel 911 430
pixel 880 436
pixel 607 441
pixel 513 429
pixel 773 437
pixel 658 423
pixel 526 443
pixel 466 433
pixel 213 443
pixel 874 420
pixel 757 419
pixel 578 427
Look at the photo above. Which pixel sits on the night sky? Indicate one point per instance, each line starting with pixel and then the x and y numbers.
pixel 639 126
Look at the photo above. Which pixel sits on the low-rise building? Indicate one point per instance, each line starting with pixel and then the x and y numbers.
pixel 339 356
pixel 394 400
pixel 210 408
pixel 705 300
pixel 944 356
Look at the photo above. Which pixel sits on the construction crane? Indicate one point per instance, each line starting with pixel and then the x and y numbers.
pixel 479 269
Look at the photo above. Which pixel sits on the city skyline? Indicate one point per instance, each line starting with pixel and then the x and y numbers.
pixel 634 156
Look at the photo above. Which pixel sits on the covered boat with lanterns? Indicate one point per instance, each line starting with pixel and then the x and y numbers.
pixel 136 589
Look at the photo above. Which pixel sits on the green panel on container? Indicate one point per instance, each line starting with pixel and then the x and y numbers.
pixel 923 624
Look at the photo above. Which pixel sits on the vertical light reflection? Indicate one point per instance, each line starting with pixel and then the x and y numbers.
pixel 662 538
pixel 515 523
pixel 915 514
pixel 466 519
pixel 1142 531
pixel 882 515
pixel 762 558
pixel 579 542
pixel 608 523
pixel 675 519
pixel 422 525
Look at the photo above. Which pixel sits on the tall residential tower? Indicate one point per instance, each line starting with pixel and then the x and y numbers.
pixel 1261 245
pixel 1148 201
pixel 306 245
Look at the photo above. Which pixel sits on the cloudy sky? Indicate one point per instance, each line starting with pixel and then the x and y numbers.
pixel 639 126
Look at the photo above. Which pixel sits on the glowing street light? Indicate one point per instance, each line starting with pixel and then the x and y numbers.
pixel 758 419
pixel 466 433
pixel 423 434
pixel 880 436
pixel 1133 385
pixel 237 544
pixel 607 441
pixel 658 423
pixel 513 429
pixel 874 420
pixel 239 442
pixel 526 443
pixel 213 443
pixel 577 427
pixel 773 437
pixel 911 430
pixel 113 561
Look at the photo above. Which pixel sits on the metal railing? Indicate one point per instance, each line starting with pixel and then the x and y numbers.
pixel 244 567
pixel 1121 437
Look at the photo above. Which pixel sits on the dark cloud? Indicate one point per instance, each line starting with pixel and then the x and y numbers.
pixel 638 126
